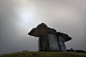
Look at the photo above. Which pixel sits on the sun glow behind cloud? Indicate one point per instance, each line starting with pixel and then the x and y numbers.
pixel 18 17
pixel 60 16
pixel 25 13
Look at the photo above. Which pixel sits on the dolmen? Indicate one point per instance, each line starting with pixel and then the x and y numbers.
pixel 49 38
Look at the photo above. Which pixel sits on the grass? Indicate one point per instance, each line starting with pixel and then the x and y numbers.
pixel 44 54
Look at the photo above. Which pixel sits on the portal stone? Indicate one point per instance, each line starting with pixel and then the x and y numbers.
pixel 53 42
pixel 42 43
pixel 61 42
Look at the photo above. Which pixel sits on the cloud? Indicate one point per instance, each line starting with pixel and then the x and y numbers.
pixel 67 16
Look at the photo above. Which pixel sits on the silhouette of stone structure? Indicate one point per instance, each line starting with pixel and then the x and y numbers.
pixel 49 39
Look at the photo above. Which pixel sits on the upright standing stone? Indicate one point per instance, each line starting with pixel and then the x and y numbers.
pixel 53 42
pixel 61 42
pixel 42 43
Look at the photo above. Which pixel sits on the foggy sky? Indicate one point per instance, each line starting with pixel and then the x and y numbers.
pixel 18 17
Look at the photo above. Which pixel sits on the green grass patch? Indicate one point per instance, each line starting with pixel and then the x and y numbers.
pixel 44 54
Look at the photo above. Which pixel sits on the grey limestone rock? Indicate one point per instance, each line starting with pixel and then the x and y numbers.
pixel 49 39
pixel 53 42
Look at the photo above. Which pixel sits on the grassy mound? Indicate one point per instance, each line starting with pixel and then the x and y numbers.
pixel 44 54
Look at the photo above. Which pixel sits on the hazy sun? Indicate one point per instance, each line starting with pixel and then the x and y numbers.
pixel 26 20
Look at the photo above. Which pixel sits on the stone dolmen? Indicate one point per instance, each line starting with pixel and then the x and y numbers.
pixel 49 38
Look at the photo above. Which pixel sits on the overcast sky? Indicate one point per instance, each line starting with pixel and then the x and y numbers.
pixel 18 17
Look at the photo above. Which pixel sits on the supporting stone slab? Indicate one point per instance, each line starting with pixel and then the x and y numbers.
pixel 61 42
pixel 42 43
pixel 53 42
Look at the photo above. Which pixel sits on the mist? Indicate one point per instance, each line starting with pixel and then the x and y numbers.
pixel 17 18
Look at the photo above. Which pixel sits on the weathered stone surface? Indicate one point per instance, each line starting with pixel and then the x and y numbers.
pixel 43 30
pixel 65 36
pixel 61 42
pixel 53 42
pixel 42 43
